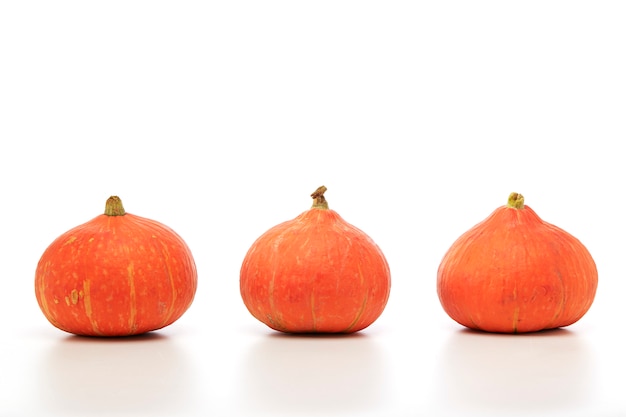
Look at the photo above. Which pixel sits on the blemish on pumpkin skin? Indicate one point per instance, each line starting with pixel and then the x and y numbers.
pixel 74 296
pixel 162 307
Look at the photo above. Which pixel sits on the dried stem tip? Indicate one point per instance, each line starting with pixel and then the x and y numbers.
pixel 114 207
pixel 516 201
pixel 319 201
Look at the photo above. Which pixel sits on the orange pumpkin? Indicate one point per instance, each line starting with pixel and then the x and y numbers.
pixel 116 275
pixel 515 273
pixel 315 274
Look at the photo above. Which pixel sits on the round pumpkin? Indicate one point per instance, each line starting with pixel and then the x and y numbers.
pixel 115 275
pixel 315 273
pixel 515 273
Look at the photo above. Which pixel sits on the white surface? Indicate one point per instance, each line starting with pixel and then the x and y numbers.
pixel 220 119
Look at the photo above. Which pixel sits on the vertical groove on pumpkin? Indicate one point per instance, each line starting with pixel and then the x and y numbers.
pixel 473 322
pixel 132 325
pixel 166 257
pixel 358 315
pixel 516 310
pixel 270 296
pixel 515 319
pixel 273 317
pixel 42 293
pixel 88 310
pixel 362 309
pixel 561 308
pixel 313 319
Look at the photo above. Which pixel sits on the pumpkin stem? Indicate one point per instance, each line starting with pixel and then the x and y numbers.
pixel 319 201
pixel 516 201
pixel 114 207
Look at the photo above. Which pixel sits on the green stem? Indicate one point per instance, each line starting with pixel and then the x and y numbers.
pixel 516 201
pixel 319 201
pixel 114 207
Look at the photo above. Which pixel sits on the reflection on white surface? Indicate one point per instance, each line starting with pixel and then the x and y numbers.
pixel 146 375
pixel 317 375
pixel 548 372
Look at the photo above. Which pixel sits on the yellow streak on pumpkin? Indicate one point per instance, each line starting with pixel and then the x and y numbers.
pixel 174 293
pixel 471 319
pixel 273 316
pixel 362 309
pixel 170 276
pixel 515 319
pixel 133 298
pixel 87 303
pixel 42 293
pixel 358 316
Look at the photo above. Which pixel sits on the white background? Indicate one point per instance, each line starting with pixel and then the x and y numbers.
pixel 220 118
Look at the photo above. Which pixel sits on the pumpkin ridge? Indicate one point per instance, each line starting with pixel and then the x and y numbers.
pixel 561 307
pixel 273 315
pixel 515 319
pixel 474 324
pixel 313 318
pixel 358 315
pixel 271 296
pixel 132 325
pixel 165 255
pixel 43 300
pixel 87 306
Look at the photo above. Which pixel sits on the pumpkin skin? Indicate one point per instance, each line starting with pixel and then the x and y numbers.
pixel 515 273
pixel 115 275
pixel 315 274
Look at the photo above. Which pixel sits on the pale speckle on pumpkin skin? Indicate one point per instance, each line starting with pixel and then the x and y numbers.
pixel 74 296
